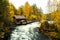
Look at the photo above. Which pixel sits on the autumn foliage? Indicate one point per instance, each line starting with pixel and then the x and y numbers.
pixel 31 12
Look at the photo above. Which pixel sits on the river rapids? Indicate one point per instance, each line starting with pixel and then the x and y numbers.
pixel 28 32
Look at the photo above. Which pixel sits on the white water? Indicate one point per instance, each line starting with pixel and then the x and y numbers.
pixel 28 32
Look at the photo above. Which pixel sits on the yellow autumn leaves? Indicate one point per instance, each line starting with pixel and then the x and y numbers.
pixel 30 12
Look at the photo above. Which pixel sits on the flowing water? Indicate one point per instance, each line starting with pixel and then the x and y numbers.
pixel 28 32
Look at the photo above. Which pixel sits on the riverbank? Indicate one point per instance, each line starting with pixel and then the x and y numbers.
pixel 50 29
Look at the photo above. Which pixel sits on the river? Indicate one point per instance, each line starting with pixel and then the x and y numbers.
pixel 28 32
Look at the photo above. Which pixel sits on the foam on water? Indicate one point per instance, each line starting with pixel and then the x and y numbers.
pixel 27 32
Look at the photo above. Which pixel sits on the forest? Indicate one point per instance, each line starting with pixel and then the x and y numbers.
pixel 31 12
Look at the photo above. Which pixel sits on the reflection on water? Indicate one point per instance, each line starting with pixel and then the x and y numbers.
pixel 28 32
